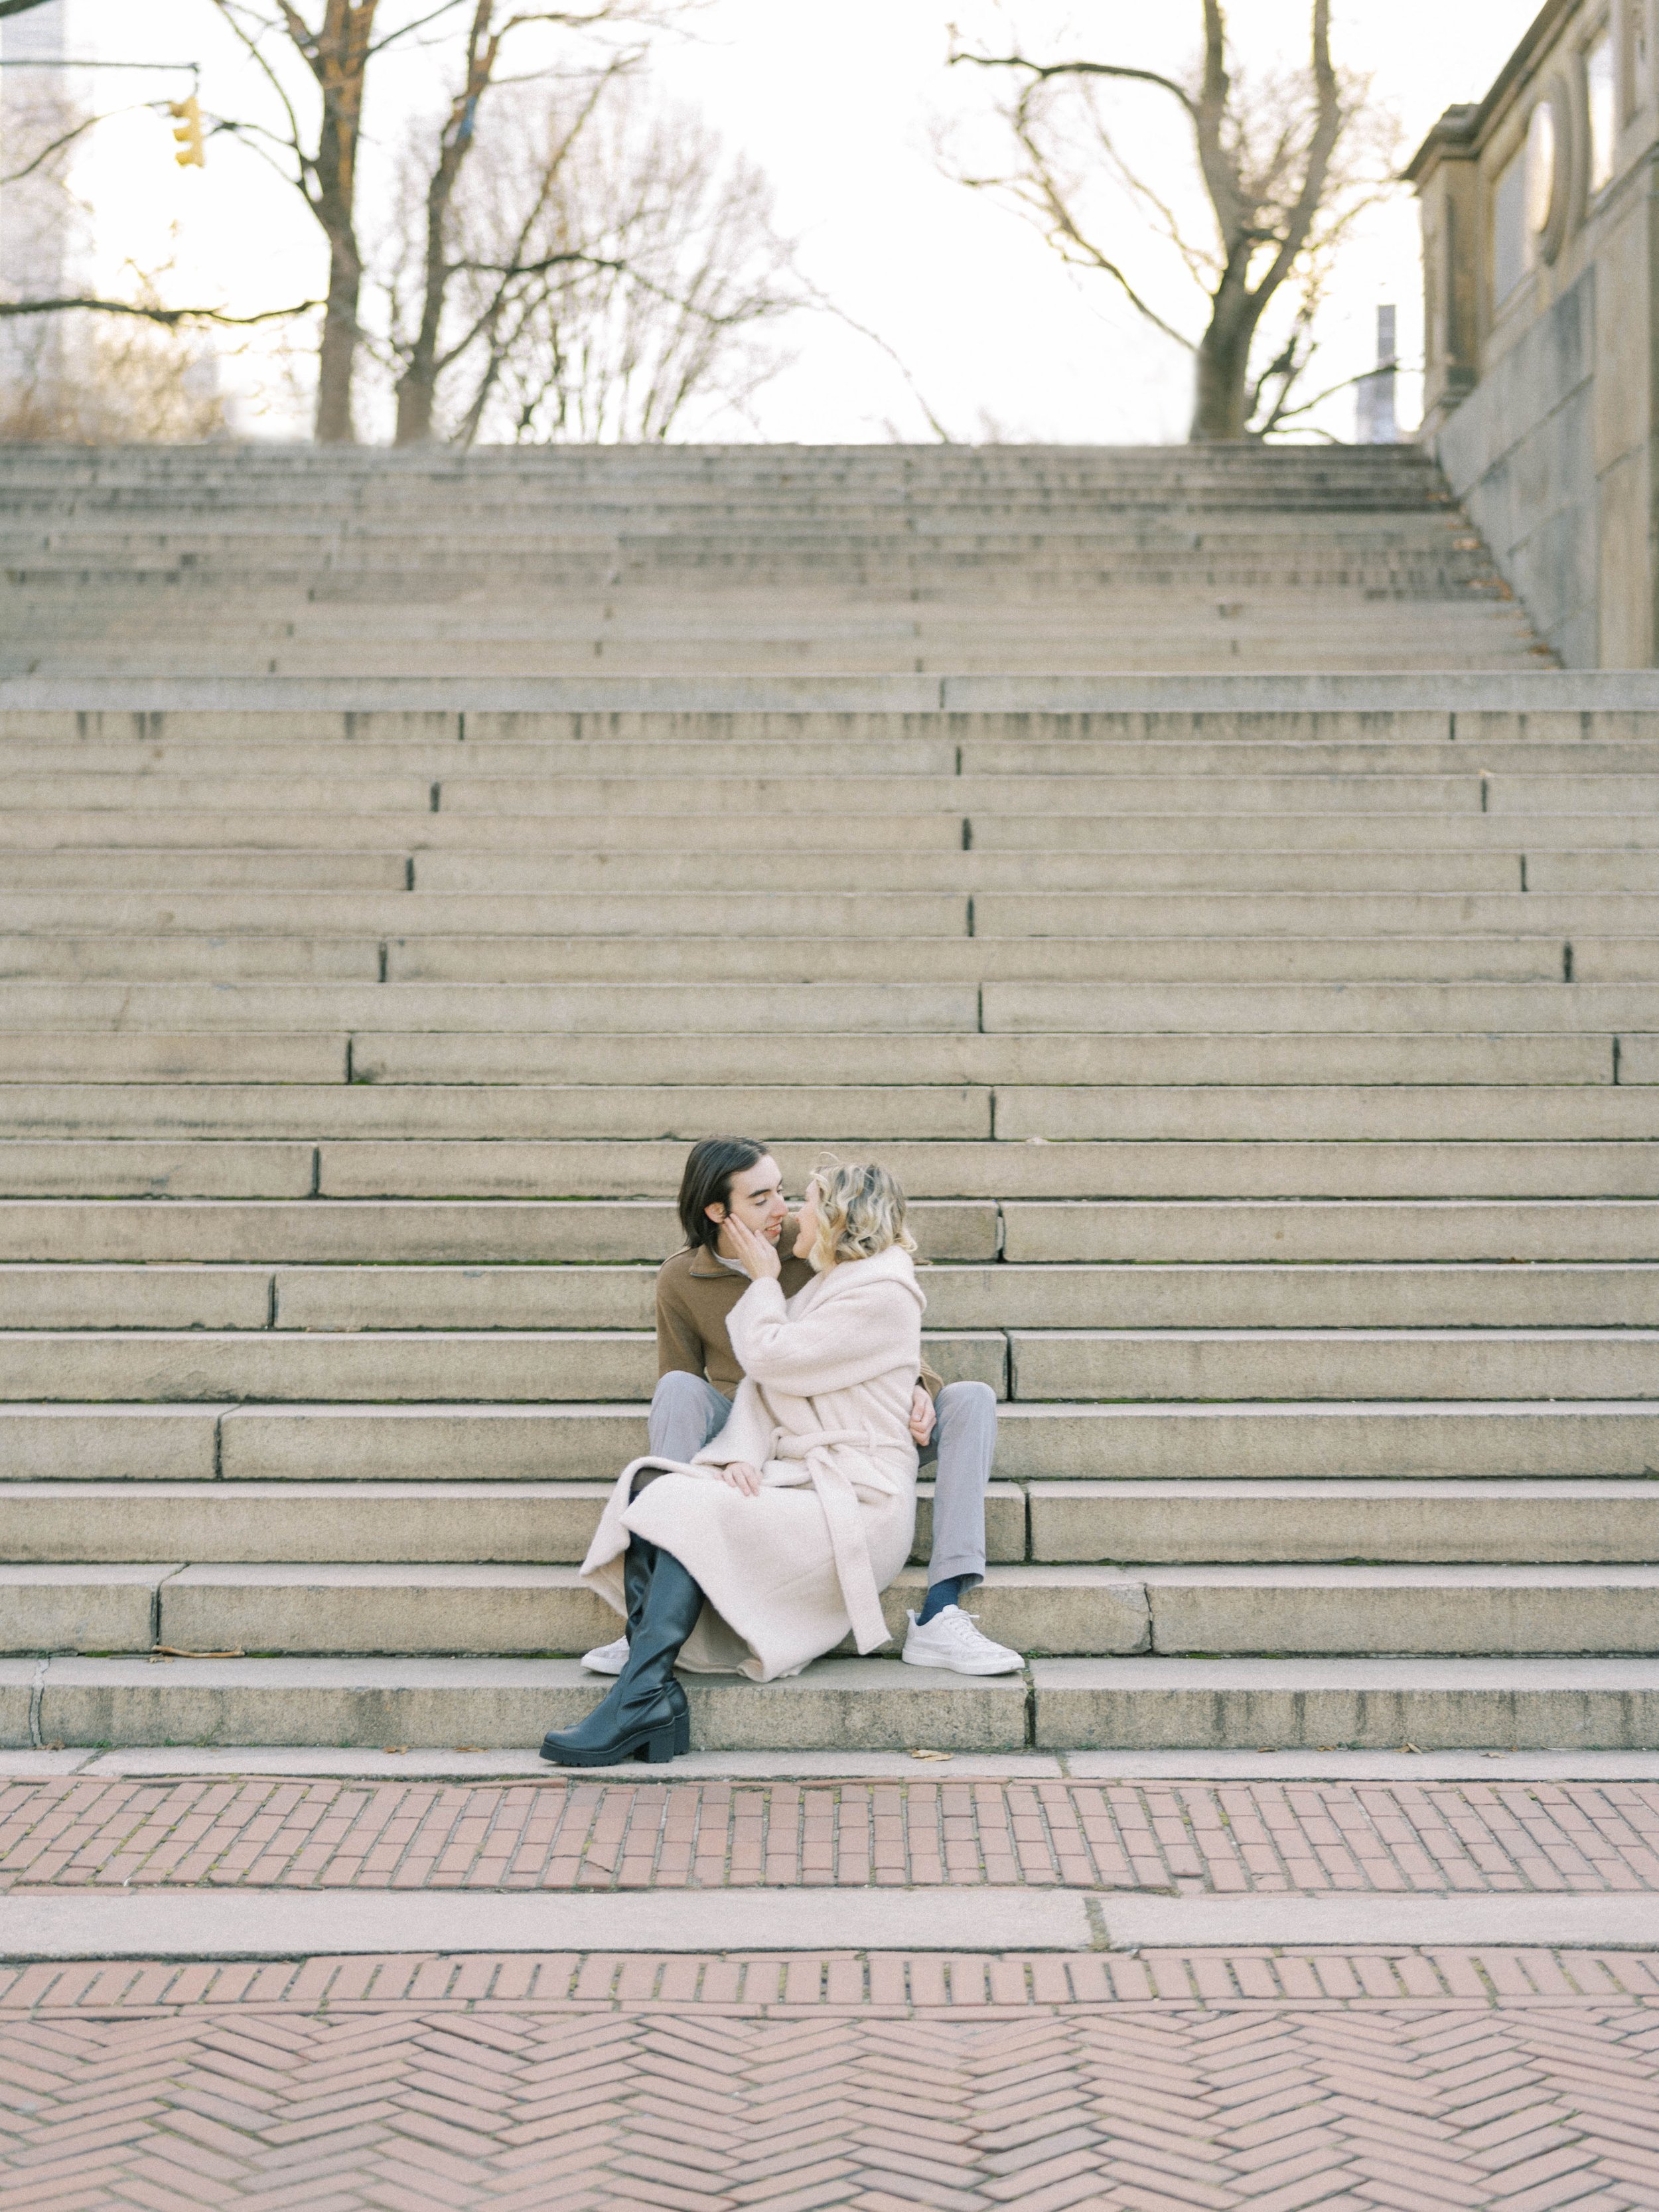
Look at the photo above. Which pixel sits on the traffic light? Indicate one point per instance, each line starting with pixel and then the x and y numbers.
pixel 187 129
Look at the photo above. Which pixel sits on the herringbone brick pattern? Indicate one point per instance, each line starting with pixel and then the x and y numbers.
pixel 1139 2107
pixel 1217 1836
pixel 892 1981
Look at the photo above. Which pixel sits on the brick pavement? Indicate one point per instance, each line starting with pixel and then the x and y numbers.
pixel 457 2099
pixel 1374 2079
pixel 1216 1838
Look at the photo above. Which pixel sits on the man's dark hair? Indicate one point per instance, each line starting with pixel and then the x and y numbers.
pixel 709 1168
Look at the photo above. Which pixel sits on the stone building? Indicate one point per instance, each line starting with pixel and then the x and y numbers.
pixel 1538 257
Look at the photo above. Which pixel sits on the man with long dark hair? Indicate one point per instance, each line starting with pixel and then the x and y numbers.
pixel 698 1374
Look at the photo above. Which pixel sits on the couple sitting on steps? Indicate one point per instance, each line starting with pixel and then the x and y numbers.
pixel 778 1498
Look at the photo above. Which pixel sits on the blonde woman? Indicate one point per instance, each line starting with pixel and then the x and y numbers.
pixel 779 1538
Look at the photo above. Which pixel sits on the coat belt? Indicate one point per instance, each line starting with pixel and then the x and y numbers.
pixel 847 1542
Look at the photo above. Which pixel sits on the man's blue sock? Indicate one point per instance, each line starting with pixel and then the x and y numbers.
pixel 940 1594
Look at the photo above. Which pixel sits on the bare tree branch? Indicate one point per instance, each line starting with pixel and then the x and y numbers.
pixel 171 316
pixel 1064 231
pixel 68 138
pixel 1044 72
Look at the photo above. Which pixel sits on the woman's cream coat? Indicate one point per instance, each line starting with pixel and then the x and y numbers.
pixel 824 1411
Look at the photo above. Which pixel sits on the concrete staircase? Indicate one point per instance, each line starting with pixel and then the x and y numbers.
pixel 779 560
pixel 1277 1078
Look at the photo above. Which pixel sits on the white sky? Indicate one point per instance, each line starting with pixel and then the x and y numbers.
pixel 841 106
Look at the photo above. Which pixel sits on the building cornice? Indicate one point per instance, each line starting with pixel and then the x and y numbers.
pixel 1461 131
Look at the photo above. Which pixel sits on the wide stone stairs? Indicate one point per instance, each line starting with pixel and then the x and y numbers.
pixel 1276 1087
pixel 690 560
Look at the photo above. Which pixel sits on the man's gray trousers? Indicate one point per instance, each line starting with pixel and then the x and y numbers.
pixel 687 1412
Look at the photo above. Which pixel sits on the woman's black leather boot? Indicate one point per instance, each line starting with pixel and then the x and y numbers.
pixel 640 1714
pixel 637 1564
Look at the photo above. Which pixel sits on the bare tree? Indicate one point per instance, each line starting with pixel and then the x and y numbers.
pixel 1281 166
pixel 609 271
pixel 490 28
pixel 321 162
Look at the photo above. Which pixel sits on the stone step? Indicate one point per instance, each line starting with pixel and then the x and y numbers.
pixel 232 959
pixel 1362 1703
pixel 463 789
pixel 1263 1522
pixel 1495 640
pixel 533 1440
pixel 434 1523
pixel 664 1060
pixel 1238 872
pixel 1289 1364
pixel 1139 1112
pixel 1130 1059
pixel 114 1056
pixel 553 598
pixel 873 962
pixel 526 548
pixel 405 1230
pixel 1150 1232
pixel 508 554
pixel 1507 1609
pixel 184 1167
pixel 1276 1522
pixel 1396 1439
pixel 844 1704
pixel 1137 961
pixel 170 870
pixel 869 1705
pixel 319 1608
pixel 1063 1365
pixel 383 1366
pixel 1028 1008
pixel 1188 824
pixel 1141 1234
pixel 1167 747
pixel 1233 722
pixel 1005 798
pixel 89 862
pixel 363 1109
pixel 1003 1295
pixel 854 913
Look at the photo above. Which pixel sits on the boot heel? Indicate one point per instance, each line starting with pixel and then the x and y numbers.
pixel 659 1745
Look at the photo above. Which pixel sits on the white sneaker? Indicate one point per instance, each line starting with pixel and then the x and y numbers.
pixel 951 1639
pixel 607 1658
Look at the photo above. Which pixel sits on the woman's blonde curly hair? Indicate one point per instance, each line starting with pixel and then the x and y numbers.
pixel 860 1213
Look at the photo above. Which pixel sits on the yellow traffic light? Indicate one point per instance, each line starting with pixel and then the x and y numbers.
pixel 188 132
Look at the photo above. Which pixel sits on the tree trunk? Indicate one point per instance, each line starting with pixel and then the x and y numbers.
pixel 338 56
pixel 338 360
pixel 417 387
pixel 1221 399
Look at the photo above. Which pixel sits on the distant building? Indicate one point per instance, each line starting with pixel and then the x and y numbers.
pixel 37 214
pixel 1376 422
pixel 1540 240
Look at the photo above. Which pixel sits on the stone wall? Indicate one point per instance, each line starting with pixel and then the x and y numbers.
pixel 1540 297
